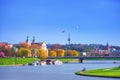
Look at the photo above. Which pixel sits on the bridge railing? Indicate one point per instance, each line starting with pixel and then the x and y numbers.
pixel 83 57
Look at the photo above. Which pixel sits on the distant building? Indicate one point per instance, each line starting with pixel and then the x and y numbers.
pixel 42 45
pixel 104 52
pixel 108 47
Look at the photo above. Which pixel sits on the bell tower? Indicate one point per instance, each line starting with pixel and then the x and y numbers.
pixel 108 46
pixel 27 40
pixel 33 41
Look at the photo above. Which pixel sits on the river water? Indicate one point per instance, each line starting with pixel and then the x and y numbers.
pixel 55 72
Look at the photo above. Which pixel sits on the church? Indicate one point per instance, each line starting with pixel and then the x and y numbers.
pixel 42 45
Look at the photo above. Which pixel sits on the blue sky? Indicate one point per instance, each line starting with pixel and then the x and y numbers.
pixel 87 21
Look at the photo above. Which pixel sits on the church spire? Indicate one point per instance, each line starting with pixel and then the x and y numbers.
pixel 108 46
pixel 33 41
pixel 27 40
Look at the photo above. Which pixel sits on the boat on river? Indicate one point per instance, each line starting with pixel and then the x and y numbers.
pixel 57 62
pixel 46 62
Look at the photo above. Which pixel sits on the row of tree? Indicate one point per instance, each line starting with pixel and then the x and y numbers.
pixel 43 54
pixel 25 49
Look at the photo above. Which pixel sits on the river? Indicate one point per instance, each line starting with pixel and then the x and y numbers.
pixel 54 72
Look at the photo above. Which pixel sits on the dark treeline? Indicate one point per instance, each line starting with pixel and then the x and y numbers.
pixel 84 47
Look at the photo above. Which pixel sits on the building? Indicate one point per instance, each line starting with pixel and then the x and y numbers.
pixel 41 45
pixel 104 52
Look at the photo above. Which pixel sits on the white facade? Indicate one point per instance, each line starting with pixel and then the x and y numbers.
pixel 44 46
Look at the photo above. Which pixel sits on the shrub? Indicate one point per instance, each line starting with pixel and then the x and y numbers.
pixel 2 54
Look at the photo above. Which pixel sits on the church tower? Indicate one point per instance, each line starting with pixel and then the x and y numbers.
pixel 33 41
pixel 108 47
pixel 27 40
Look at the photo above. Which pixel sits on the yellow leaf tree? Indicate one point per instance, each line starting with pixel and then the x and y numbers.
pixel 60 53
pixel 75 53
pixel 24 52
pixel 52 53
pixel 42 54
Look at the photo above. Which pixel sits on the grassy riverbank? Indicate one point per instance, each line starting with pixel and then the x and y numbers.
pixel 21 61
pixel 108 72
pixel 16 61
pixel 67 60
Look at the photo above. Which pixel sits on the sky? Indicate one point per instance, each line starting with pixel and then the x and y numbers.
pixel 87 21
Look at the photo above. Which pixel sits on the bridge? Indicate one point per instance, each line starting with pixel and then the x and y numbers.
pixel 81 58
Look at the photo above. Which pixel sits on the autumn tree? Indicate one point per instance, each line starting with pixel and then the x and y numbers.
pixel 9 51
pixel 60 53
pixel 52 53
pixel 42 54
pixel 75 53
pixel 70 52
pixel 24 45
pixel 56 47
pixel 2 46
pixel 35 46
pixel 24 52
pixel 6 48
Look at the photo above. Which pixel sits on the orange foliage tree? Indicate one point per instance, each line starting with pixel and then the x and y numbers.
pixel 52 53
pixel 24 45
pixel 9 51
pixel 42 53
pixel 6 48
pixel 35 46
pixel 60 53
pixel 70 52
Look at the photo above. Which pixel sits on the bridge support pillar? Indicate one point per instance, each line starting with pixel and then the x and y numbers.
pixel 80 60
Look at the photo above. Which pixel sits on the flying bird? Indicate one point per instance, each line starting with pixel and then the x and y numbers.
pixel 63 31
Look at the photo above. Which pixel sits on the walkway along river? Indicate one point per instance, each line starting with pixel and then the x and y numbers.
pixel 54 72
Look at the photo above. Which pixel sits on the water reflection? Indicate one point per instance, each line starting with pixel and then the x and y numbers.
pixel 54 72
